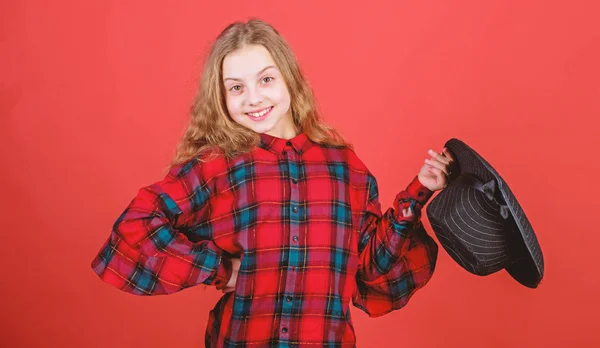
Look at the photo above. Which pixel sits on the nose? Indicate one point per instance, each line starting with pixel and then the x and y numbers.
pixel 255 97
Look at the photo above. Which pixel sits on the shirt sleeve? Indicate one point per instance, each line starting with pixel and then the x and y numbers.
pixel 146 253
pixel 396 256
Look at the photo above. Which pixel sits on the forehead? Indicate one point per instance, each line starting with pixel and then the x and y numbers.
pixel 246 61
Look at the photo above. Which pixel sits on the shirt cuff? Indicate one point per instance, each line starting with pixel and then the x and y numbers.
pixel 223 273
pixel 414 198
pixel 418 192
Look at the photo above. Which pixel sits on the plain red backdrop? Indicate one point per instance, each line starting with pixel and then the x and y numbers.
pixel 95 95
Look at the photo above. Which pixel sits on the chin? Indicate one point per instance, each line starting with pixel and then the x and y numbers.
pixel 264 129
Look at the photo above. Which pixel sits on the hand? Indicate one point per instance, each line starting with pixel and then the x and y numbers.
pixel 435 171
pixel 235 268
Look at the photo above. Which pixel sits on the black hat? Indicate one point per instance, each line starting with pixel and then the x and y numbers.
pixel 479 222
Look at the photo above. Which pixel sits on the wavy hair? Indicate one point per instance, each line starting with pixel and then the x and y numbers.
pixel 210 127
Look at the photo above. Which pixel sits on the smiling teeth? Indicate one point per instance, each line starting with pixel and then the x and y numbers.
pixel 259 114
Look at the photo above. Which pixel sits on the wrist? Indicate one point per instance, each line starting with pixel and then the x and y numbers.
pixel 224 272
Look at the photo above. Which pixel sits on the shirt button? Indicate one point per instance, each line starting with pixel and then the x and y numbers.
pixel 288 299
pixel 284 330
pixel 295 210
pixel 295 181
pixel 295 238
pixel 288 143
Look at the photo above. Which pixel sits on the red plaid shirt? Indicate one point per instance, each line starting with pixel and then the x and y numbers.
pixel 305 221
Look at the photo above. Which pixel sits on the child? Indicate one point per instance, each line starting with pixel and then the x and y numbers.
pixel 272 207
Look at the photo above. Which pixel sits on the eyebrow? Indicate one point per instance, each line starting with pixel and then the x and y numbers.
pixel 258 73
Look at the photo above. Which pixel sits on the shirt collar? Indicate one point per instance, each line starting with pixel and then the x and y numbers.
pixel 299 143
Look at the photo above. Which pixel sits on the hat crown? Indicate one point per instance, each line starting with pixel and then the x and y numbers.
pixel 479 213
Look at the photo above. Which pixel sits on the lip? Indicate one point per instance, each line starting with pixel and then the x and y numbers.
pixel 258 110
pixel 256 119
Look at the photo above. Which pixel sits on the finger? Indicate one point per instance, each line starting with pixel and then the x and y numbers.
pixel 438 165
pixel 437 171
pixel 450 168
pixel 407 212
pixel 447 153
pixel 441 178
pixel 438 157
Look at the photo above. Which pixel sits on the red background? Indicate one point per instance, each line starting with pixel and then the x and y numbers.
pixel 95 95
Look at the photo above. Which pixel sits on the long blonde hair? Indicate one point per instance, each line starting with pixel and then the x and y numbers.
pixel 210 126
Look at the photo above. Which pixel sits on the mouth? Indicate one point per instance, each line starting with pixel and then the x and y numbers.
pixel 260 115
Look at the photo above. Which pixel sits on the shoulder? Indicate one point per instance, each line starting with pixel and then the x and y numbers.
pixel 359 175
pixel 202 167
pixel 183 169
pixel 350 157
pixel 359 178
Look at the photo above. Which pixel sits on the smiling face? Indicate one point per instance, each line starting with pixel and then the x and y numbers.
pixel 255 92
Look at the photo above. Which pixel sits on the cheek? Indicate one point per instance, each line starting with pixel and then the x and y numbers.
pixel 234 106
pixel 281 95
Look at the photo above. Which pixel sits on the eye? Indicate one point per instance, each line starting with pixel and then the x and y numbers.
pixel 267 79
pixel 236 88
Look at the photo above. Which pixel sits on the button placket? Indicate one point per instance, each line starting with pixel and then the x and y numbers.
pixel 295 217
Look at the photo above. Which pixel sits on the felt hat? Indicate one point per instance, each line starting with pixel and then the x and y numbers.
pixel 479 222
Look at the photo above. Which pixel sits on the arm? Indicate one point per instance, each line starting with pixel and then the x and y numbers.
pixel 396 256
pixel 146 254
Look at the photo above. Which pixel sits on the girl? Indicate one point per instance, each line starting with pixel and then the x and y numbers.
pixel 270 205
